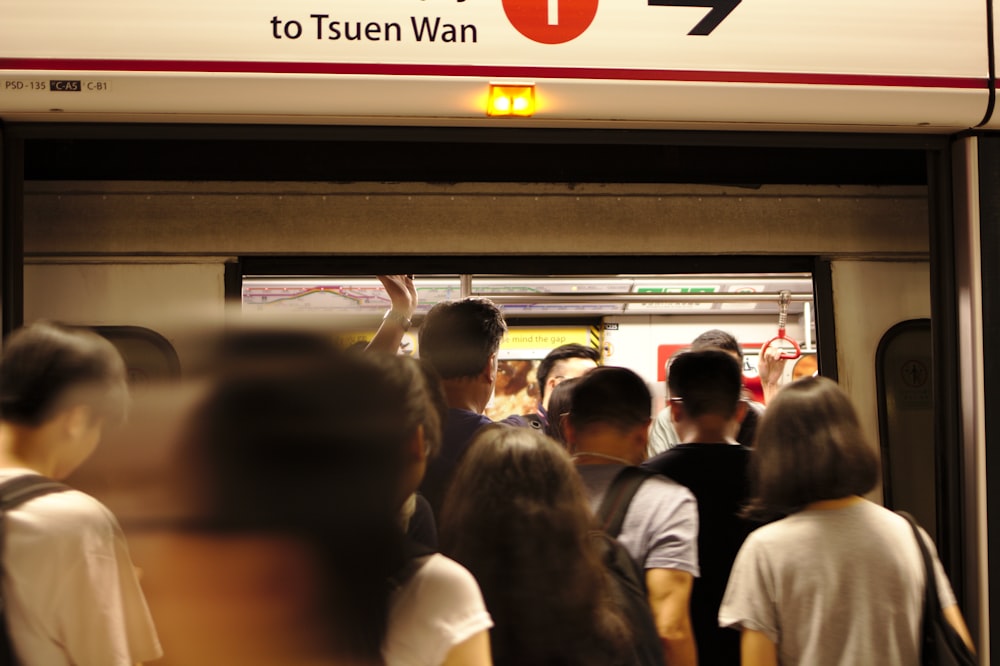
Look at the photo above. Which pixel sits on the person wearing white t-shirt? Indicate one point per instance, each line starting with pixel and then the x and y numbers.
pixel 70 592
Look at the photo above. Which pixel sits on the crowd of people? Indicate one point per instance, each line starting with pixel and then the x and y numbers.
pixel 356 507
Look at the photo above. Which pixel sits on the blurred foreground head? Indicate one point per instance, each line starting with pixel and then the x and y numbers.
pixel 300 442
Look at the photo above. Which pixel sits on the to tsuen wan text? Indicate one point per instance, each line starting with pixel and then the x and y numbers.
pixel 422 29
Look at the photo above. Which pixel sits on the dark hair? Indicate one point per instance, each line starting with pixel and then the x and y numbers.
pixel 561 353
pixel 559 405
pixel 517 517
pixel 612 395
pixel 810 447
pixel 47 367
pixel 458 337
pixel 313 448
pixel 707 382
pixel 717 339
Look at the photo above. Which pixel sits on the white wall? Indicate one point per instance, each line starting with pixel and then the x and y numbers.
pixel 172 299
pixel 634 345
pixel 869 298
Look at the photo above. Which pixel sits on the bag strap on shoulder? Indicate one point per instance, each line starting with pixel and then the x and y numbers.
pixel 611 513
pixel 22 488
pixel 930 586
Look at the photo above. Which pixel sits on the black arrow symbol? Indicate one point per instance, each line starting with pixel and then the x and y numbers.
pixel 720 10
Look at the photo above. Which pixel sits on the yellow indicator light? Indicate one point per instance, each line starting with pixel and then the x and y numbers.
pixel 511 100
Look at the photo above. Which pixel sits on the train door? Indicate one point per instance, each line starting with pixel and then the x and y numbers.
pixel 157 226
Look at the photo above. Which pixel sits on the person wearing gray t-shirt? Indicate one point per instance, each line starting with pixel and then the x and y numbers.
pixel 839 580
pixel 606 429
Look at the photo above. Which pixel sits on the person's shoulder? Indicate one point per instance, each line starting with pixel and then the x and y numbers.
pixel 68 514
pixel 459 427
pixel 458 415
pixel 524 421
pixel 662 460
pixel 664 488
pixel 794 528
pixel 443 578
pixel 695 451
pixel 71 504
pixel 465 420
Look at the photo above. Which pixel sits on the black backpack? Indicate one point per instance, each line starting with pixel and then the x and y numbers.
pixel 628 580
pixel 13 493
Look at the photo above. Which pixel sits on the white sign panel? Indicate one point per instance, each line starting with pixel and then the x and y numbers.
pixel 934 48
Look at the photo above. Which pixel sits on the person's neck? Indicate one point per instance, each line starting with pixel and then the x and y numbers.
pixel 707 430
pixel 604 445
pixel 464 393
pixel 595 458
pixel 25 447
pixel 839 503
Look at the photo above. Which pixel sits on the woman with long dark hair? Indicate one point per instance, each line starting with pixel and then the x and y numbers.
pixel 839 579
pixel 518 519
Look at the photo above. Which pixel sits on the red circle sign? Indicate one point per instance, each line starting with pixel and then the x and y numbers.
pixel 550 21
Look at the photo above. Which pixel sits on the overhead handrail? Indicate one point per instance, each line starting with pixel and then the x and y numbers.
pixel 784 298
pixel 520 297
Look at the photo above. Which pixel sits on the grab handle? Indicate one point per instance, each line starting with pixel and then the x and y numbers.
pixel 784 298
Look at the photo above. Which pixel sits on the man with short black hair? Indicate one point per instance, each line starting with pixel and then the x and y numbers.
pixel 607 430
pixel 564 362
pixel 460 340
pixel 706 408
pixel 662 435
pixel 70 592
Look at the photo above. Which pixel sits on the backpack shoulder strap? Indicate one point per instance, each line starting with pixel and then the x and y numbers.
pixel 20 489
pixel 611 513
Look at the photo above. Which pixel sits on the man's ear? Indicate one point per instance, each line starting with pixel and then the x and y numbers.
pixel 677 411
pixel 490 371
pixel 643 431
pixel 77 420
pixel 639 437
pixel 569 432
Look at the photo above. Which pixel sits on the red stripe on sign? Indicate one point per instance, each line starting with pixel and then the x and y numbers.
pixel 487 71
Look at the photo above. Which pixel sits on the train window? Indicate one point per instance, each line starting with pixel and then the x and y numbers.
pixel 906 419
pixel 148 355
pixel 637 321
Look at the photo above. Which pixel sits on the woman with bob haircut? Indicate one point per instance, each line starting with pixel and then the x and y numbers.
pixel 517 517
pixel 840 579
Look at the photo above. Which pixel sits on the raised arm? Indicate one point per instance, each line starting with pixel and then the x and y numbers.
pixel 403 297
pixel 771 368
